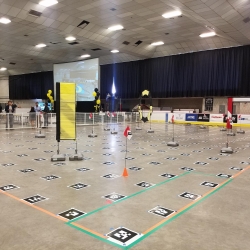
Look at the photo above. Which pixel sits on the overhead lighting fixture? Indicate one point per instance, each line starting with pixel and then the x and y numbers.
pixel 114 51
pixel 157 43
pixel 3 69
pixel 70 38
pixel 116 27
pixel 85 56
pixel 41 45
pixel 48 3
pixel 172 14
pixel 208 34
pixel 4 20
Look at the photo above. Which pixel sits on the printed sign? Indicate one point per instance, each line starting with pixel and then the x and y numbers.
pixel 161 211
pixel 144 184
pixel 209 184
pixel 155 163
pixel 234 118
pixel 187 169
pixel 191 117
pixel 224 175
pixel 35 199
pixel 135 168
pixel 108 163
pixel 216 117
pixel 209 102
pixel 189 196
pixel 71 214
pixel 203 117
pixel 244 119
pixel 123 236
pixel 179 117
pixel 114 196
pixel 78 186
pixel 82 169
pixel 8 187
pixel 237 169
pixel 111 176
pixel 27 170
pixel 50 177
pixel 170 176
pixel 171 158
pixel 201 163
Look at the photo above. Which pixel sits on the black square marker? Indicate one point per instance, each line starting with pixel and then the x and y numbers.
pixel 213 158
pixel 71 214
pixel 185 154
pixel 146 154
pixel 130 158
pixel 105 148
pixel 22 155
pixel 107 154
pixel 224 175
pixel 140 148
pixel 8 187
pixel 223 154
pixel 114 196
pixel 59 164
pixel 35 199
pixel 87 151
pixel 35 148
pixel 8 164
pixel 187 169
pixel 83 169
pixel 78 186
pixel 209 184
pixel 27 170
pixel 50 177
pixel 196 151
pixel 124 151
pixel 161 211
pixel 48 151
pixel 40 159
pixel 111 176
pixel 170 176
pixel 171 158
pixel 135 168
pixel 144 184
pixel 108 163
pixel 154 163
pixel 122 236
pixel 236 168
pixel 87 158
pixel 245 163
pixel 161 151
pixel 189 196
pixel 201 163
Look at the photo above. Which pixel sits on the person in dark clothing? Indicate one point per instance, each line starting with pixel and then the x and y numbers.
pixel 45 115
pixel 1 109
pixel 10 109
pixel 32 117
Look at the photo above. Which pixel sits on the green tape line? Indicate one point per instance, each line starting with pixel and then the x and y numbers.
pixel 125 198
pixel 96 236
pixel 177 215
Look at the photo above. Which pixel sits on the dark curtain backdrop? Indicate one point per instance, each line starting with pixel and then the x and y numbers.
pixel 223 72
pixel 31 86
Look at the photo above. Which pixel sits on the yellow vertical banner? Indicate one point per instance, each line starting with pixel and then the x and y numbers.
pixel 67 111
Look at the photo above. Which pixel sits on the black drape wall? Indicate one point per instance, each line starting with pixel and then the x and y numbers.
pixel 224 72
pixel 31 86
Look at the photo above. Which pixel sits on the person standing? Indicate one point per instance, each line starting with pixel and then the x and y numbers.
pixel 46 115
pixel 10 110
pixel 38 114
pixel 32 117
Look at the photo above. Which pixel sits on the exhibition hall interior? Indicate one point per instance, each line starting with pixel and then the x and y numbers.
pixel 124 124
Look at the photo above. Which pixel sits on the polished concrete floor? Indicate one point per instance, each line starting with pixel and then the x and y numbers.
pixel 183 198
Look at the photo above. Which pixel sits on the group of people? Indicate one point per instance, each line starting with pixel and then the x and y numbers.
pixel 36 113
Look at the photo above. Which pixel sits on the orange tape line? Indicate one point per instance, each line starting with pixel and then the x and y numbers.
pixel 191 203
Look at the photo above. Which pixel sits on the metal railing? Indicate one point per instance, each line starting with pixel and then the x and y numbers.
pixel 39 120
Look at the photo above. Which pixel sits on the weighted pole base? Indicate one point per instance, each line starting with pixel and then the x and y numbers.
pixel 227 150
pixel 92 135
pixel 240 131
pixel 223 129
pixel 138 128
pixel 113 132
pixel 202 127
pixel 173 144
pixel 40 135
pixel 231 134
pixel 76 157
pixel 150 131
pixel 106 129
pixel 60 157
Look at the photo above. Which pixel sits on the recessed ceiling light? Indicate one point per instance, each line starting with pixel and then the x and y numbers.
pixel 41 45
pixel 114 51
pixel 48 3
pixel 3 69
pixel 4 20
pixel 116 27
pixel 70 38
pixel 208 34
pixel 172 14
pixel 85 56
pixel 157 43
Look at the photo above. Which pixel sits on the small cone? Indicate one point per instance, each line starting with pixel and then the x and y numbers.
pixel 108 201
pixel 125 172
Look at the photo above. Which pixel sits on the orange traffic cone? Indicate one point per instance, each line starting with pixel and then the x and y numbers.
pixel 125 172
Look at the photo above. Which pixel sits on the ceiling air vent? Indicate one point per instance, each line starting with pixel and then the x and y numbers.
pixel 96 49
pixel 126 43
pixel 138 43
pixel 12 63
pixel 35 13
pixel 73 43
pixel 83 24
pixel 246 20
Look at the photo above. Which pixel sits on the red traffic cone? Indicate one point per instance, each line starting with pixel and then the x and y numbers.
pixel 125 172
